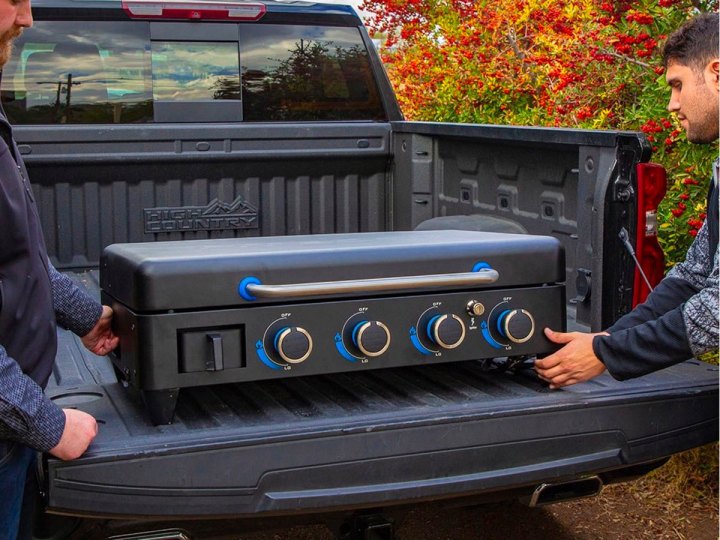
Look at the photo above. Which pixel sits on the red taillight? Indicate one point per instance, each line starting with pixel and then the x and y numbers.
pixel 651 187
pixel 193 9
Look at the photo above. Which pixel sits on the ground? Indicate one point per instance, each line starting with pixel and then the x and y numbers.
pixel 620 513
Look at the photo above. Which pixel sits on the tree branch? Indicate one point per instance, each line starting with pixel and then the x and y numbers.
pixel 626 58
pixel 512 39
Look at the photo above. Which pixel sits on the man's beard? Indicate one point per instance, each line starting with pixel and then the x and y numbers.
pixel 706 111
pixel 706 131
pixel 6 44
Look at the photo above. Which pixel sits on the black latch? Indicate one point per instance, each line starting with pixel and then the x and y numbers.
pixel 215 361
pixel 622 187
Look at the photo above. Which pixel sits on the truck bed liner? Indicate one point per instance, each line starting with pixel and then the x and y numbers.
pixel 303 444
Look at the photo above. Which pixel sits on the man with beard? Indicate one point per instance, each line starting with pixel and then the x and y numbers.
pixel 34 297
pixel 679 320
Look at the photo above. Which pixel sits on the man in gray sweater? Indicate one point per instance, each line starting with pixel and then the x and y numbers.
pixel 34 297
pixel 680 318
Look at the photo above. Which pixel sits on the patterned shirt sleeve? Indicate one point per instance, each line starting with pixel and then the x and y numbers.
pixel 26 414
pixel 74 308
pixel 700 313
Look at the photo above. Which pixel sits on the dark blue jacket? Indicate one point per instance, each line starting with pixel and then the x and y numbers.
pixel 32 294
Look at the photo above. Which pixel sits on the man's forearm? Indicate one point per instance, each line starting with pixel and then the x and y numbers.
pixel 668 295
pixel 646 347
pixel 26 414
pixel 74 308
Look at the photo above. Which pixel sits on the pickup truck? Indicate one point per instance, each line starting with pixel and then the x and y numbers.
pixel 144 121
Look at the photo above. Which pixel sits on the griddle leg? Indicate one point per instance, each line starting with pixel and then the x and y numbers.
pixel 161 404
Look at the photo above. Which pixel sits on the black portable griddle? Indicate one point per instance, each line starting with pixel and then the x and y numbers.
pixel 202 312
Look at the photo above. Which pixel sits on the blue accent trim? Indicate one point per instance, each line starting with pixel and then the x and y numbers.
pixel 342 350
pixel 242 288
pixel 500 320
pixel 428 328
pixel 481 266
pixel 277 336
pixel 355 331
pixel 486 334
pixel 415 341
pixel 262 355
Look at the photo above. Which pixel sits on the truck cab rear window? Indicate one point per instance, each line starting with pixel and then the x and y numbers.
pixel 111 72
pixel 79 73
pixel 307 73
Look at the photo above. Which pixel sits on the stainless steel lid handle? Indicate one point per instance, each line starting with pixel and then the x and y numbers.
pixel 251 288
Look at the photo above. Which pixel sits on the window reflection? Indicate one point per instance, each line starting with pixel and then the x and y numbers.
pixel 59 74
pixel 110 72
pixel 195 71
pixel 306 73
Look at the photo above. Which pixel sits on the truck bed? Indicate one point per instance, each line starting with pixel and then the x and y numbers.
pixel 279 447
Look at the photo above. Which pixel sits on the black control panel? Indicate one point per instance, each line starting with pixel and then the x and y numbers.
pixel 267 342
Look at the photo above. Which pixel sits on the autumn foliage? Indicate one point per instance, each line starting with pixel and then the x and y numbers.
pixel 566 63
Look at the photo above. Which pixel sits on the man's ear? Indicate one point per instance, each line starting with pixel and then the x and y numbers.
pixel 713 70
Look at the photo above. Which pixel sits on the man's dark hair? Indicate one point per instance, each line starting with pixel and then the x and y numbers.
pixel 695 43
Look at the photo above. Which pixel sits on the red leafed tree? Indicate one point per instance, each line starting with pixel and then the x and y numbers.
pixel 570 63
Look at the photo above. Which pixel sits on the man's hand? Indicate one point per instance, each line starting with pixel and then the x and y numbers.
pixel 101 339
pixel 80 430
pixel 575 362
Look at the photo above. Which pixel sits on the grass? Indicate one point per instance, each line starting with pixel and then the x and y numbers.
pixel 690 475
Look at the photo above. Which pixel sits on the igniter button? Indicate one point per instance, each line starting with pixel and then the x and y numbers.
pixel 475 308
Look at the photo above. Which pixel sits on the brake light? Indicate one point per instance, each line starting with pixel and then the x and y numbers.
pixel 651 187
pixel 193 9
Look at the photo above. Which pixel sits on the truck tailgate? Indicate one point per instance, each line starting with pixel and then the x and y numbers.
pixel 370 438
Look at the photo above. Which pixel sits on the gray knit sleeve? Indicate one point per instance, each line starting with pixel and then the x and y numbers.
pixel 700 313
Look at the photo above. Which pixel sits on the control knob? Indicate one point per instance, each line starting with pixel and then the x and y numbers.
pixel 293 344
pixel 372 338
pixel 517 325
pixel 446 330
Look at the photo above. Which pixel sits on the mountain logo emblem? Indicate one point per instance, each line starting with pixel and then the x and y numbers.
pixel 215 216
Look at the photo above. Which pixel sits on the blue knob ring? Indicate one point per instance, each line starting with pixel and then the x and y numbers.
pixel 429 328
pixel 242 288
pixel 481 266
pixel 276 339
pixel 355 331
pixel 501 320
